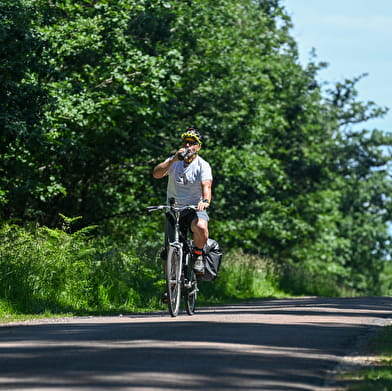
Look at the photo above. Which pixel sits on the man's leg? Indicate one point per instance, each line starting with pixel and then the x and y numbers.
pixel 199 228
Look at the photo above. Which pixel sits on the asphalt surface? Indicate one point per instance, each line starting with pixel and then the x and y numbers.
pixel 290 344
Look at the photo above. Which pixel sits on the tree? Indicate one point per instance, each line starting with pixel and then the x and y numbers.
pixel 22 98
pixel 103 89
pixel 363 164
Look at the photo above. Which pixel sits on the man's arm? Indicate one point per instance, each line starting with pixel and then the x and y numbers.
pixel 206 191
pixel 162 169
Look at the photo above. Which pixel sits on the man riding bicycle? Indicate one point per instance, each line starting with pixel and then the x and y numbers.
pixel 189 183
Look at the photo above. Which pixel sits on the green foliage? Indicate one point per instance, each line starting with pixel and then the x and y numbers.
pixel 242 276
pixel 50 271
pixel 22 98
pixel 44 268
pixel 94 94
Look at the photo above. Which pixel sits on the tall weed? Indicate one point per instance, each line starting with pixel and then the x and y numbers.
pixel 60 271
pixel 242 276
pixel 42 268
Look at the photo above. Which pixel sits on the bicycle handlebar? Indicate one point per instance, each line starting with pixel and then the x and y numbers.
pixel 176 207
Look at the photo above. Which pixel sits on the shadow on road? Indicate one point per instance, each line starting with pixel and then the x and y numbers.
pixel 351 307
pixel 244 347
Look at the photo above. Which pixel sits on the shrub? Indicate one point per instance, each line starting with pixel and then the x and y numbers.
pixel 242 276
pixel 42 268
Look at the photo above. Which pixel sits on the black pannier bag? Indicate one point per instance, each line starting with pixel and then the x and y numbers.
pixel 212 260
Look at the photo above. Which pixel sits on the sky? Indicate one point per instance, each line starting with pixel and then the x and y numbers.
pixel 353 37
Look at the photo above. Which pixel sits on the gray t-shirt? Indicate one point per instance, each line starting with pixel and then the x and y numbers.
pixel 184 182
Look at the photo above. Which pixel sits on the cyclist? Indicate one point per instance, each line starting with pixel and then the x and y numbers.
pixel 189 183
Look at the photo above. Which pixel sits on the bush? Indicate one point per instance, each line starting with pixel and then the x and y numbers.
pixel 54 270
pixel 242 276
pixel 42 268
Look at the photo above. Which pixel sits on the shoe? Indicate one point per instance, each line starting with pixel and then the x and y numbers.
pixel 165 298
pixel 198 266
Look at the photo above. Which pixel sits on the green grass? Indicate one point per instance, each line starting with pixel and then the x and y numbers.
pixel 376 376
pixel 8 314
pixel 11 318
pixel 242 277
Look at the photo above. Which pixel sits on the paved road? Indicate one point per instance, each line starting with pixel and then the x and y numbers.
pixel 290 344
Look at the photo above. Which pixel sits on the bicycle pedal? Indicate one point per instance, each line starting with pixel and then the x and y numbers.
pixel 165 298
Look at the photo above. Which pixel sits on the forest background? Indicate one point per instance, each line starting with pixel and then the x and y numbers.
pixel 95 93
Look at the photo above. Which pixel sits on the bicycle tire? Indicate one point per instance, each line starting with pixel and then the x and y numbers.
pixel 173 280
pixel 190 294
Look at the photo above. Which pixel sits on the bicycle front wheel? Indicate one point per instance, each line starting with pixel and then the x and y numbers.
pixel 190 293
pixel 173 280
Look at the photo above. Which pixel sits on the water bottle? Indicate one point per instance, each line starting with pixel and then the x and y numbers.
pixel 183 155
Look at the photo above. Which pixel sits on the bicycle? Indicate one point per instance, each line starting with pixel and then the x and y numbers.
pixel 179 274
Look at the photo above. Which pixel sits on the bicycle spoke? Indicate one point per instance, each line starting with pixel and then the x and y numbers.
pixel 173 272
pixel 190 294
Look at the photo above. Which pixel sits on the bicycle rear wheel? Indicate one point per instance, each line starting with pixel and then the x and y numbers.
pixel 173 280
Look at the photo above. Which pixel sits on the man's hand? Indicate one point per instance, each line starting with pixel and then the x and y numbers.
pixel 203 205
pixel 179 152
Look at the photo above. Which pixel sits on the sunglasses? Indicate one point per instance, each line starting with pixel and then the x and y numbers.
pixel 189 142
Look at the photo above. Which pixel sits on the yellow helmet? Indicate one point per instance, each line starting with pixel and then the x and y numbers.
pixel 192 132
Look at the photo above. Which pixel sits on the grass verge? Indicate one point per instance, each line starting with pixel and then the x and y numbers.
pixel 377 375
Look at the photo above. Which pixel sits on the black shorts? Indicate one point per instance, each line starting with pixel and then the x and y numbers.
pixel 186 218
